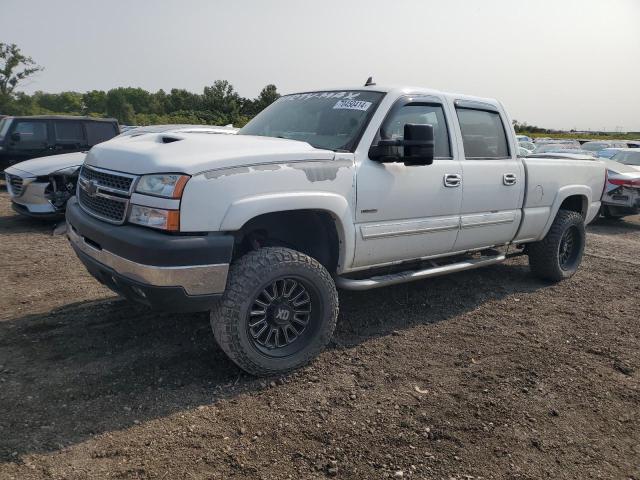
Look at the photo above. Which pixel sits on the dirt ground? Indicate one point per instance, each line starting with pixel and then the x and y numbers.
pixel 483 374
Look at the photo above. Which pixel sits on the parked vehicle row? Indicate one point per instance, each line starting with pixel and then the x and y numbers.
pixel 41 187
pixel 584 147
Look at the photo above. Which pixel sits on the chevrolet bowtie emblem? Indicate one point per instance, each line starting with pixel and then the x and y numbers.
pixel 91 187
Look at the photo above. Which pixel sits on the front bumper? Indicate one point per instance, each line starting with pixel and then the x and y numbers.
pixel 169 272
pixel 32 200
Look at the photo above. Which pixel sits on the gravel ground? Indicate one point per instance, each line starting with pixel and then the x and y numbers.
pixel 483 374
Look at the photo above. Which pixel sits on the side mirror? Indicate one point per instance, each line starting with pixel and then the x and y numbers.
pixel 418 144
pixel 415 148
pixel 15 136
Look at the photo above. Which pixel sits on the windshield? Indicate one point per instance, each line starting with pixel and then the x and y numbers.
pixel 328 120
pixel 4 127
pixel 627 158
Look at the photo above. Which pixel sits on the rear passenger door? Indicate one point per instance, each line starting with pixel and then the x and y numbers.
pixel 69 136
pixel 98 132
pixel 492 178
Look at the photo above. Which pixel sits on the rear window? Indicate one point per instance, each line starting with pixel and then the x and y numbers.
pixel 98 132
pixel 69 132
pixel 483 134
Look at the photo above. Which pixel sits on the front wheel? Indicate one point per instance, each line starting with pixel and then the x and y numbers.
pixel 278 311
pixel 559 254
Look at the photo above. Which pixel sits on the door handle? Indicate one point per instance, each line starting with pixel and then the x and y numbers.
pixel 452 180
pixel 509 179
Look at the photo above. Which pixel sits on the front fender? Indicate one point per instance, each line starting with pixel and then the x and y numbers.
pixel 245 209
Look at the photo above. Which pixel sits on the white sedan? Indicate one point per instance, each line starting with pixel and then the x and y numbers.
pixel 41 187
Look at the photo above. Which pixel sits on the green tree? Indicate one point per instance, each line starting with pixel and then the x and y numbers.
pixel 222 99
pixel 179 99
pixel 14 68
pixel 268 95
pixel 95 102
pixel 118 107
pixel 65 102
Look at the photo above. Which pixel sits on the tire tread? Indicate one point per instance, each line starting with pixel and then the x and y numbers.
pixel 226 319
pixel 543 255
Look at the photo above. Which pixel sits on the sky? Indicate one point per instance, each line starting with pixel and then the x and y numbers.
pixel 553 63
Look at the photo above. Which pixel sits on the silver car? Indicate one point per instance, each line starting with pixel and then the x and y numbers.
pixel 41 187
pixel 622 192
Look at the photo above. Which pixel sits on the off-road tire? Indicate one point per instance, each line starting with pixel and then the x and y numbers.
pixel 247 277
pixel 544 256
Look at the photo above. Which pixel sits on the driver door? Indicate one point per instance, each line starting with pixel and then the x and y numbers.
pixel 409 212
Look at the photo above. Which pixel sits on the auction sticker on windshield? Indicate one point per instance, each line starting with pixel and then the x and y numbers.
pixel 352 105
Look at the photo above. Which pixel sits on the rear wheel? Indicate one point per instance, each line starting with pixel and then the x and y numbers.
pixel 559 254
pixel 278 311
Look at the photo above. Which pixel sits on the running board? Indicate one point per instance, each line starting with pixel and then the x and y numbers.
pixel 413 275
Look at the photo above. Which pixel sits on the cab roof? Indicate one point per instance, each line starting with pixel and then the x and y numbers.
pixel 61 117
pixel 399 91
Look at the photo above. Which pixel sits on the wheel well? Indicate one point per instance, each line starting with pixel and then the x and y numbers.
pixel 312 232
pixel 575 203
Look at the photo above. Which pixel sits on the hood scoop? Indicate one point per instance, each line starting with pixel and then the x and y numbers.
pixel 167 139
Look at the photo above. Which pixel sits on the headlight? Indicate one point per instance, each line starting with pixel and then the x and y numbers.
pixel 168 185
pixel 155 218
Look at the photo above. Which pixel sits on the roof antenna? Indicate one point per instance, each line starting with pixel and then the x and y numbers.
pixel 370 82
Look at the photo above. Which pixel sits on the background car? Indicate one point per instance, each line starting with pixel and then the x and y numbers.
pixel 528 145
pixel 22 138
pixel 563 154
pixel 571 143
pixel 555 147
pixel 607 152
pixel 596 146
pixel 622 192
pixel 523 152
pixel 40 187
pixel 523 138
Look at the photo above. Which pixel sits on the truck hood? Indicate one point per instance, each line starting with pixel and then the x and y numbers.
pixel 46 165
pixel 195 153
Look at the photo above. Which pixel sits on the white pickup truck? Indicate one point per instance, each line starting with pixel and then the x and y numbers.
pixel 355 188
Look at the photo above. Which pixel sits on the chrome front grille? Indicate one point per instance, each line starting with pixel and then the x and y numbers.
pixel 115 181
pixel 105 194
